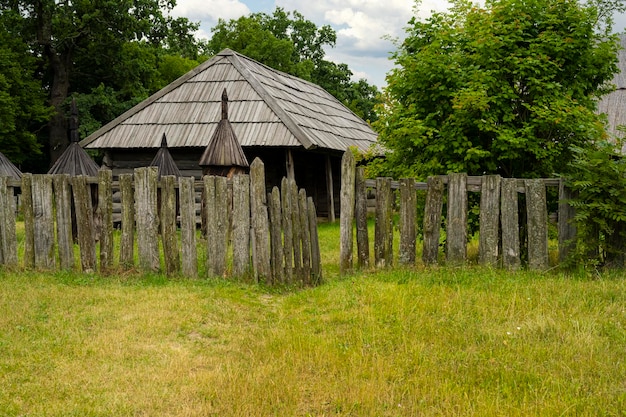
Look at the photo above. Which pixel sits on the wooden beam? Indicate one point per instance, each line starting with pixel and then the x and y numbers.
pixel 330 190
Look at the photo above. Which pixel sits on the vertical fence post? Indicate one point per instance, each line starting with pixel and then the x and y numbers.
pixel 538 258
pixel 147 218
pixel 44 222
pixel 105 214
pixel 316 258
pixel 287 224
pixel 241 225
pixel 63 203
pixel 567 228
pixel 168 225
pixel 383 232
pixel 127 240
pixel 84 223
pixel 509 221
pixel 276 249
pixel 360 212
pixel 456 229
pixel 348 167
pixel 8 239
pixel 432 220
pixel 489 228
pixel 260 222
pixel 188 226
pixel 408 221
pixel 297 233
pixel 306 237
pixel 29 220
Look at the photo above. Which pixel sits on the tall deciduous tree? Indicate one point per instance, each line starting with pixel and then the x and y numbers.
pixel 507 88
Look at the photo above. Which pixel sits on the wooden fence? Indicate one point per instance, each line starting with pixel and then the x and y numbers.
pixel 499 231
pixel 249 233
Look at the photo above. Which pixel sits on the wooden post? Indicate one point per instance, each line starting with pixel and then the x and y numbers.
pixel 432 220
pixel 44 222
pixel 287 224
pixel 277 251
pixel 509 220
pixel 348 172
pixel 147 218
pixel 127 245
pixel 188 227
pixel 168 225
pixel 210 213
pixel 567 227
pixel 241 225
pixel 297 233
pixel 223 223
pixel 408 221
pixel 289 165
pixel 456 226
pixel 330 188
pixel 316 258
pixel 383 231
pixel 105 214
pixel 8 238
pixel 29 220
pixel 489 220
pixel 306 237
pixel 260 222
pixel 360 209
pixel 84 223
pixel 538 258
pixel 63 203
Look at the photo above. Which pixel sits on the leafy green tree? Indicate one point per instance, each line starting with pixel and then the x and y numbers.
pixel 507 88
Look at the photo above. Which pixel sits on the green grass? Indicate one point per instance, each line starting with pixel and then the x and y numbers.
pixel 410 342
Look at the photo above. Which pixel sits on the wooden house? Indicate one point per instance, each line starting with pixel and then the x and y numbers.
pixel 295 127
pixel 614 103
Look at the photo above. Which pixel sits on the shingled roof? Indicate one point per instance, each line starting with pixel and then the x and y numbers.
pixel 267 108
pixel 7 169
pixel 614 103
pixel 164 162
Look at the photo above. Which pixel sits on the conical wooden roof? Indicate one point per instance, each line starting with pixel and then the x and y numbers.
pixel 224 149
pixel 75 160
pixel 7 169
pixel 164 162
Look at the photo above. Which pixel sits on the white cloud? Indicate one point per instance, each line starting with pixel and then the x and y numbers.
pixel 209 11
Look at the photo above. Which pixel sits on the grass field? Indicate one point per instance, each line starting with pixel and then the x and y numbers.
pixel 410 342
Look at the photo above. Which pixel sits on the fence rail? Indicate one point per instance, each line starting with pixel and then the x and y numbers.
pixel 249 233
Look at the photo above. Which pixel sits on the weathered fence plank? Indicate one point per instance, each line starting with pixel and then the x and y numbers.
pixel 105 214
pixel 509 221
pixel 147 218
pixel 127 240
pixel 456 225
pixel 223 224
pixel 44 222
pixel 188 227
pixel 383 231
pixel 432 220
pixel 316 258
pixel 8 238
pixel 63 203
pixel 360 213
pixel 297 232
pixel 276 249
pixel 241 225
pixel 346 219
pixel 287 224
pixel 84 223
pixel 168 225
pixel 567 227
pixel 209 216
pixel 306 237
pixel 489 228
pixel 538 258
pixel 408 221
pixel 260 222
pixel 29 220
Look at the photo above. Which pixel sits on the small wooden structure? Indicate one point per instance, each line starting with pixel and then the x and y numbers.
pixel 7 169
pixel 164 162
pixel 223 155
pixel 613 105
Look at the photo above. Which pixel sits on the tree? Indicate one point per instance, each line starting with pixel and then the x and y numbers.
pixel 288 42
pixel 507 88
pixel 82 44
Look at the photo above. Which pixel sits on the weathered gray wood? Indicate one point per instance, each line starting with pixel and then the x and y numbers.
pixel 287 225
pixel 44 222
pixel 306 237
pixel 147 218
pixel 360 209
pixel 260 222
pixel 29 220
pixel 171 252
pixel 346 219
pixel 63 203
pixel 241 225
pixel 277 254
pixel 489 228
pixel 188 227
pixel 316 258
pixel 538 258
pixel 432 220
pixel 567 227
pixel 330 190
pixel 84 223
pixel 210 215
pixel 105 214
pixel 127 240
pixel 456 221
pixel 408 221
pixel 222 226
pixel 8 238
pixel 383 230
pixel 297 233
pixel 509 220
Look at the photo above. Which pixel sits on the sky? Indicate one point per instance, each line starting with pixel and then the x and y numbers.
pixel 362 26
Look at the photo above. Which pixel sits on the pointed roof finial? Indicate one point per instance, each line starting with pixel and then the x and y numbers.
pixel 224 105
pixel 74 121
pixel 163 141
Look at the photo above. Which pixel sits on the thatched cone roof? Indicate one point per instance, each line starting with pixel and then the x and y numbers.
pixel 223 153
pixel 164 162
pixel 7 169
